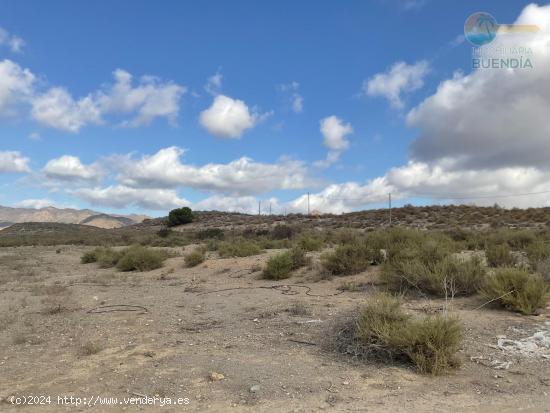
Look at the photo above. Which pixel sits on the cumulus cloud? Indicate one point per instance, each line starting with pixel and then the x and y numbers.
pixel 57 109
pixel 11 41
pixel 229 118
pixel 334 132
pixel 492 117
pixel 482 137
pixel 401 78
pixel 120 196
pixel 13 161
pixel 148 99
pixel 16 86
pixel 242 176
pixel 70 168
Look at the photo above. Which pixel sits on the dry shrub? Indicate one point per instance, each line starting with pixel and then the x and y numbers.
pixel 430 342
pixel 134 258
pixel 499 255
pixel 447 276
pixel 282 232
pixel 517 290
pixel 281 265
pixel 350 259
pixel 310 241
pixel 89 348
pixel 138 258
pixel 299 309
pixel 195 257
pixel 543 268
pixel 538 251
pixel 105 257
pixel 238 247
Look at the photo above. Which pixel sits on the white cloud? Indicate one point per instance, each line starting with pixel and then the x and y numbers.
pixel 14 43
pixel 13 161
pixel 57 109
pixel 229 118
pixel 16 86
pixel 242 176
pixel 492 118
pixel 149 99
pixel 401 78
pixel 295 98
pixel 35 203
pixel 482 138
pixel 120 196
pixel 214 84
pixel 70 168
pixel 334 132
pixel 344 197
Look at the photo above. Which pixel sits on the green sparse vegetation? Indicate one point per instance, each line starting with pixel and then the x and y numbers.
pixel 310 241
pixel 134 258
pixel 180 216
pixel 238 247
pixel 139 258
pixel 281 265
pixel 195 257
pixel 517 290
pixel 430 342
pixel 499 255
pixel 350 259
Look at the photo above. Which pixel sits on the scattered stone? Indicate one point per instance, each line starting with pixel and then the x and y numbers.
pixel 214 376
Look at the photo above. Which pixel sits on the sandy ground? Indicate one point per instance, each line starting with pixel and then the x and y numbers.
pixel 246 349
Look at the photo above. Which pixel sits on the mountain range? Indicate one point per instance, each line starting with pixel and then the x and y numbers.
pixel 9 216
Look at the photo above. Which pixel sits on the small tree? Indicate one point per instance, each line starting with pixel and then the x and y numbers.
pixel 180 216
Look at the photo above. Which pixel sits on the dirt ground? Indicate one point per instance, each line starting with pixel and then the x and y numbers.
pixel 251 348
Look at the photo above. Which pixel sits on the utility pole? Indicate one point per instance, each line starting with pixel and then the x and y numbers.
pixel 308 203
pixel 270 208
pixel 389 203
pixel 259 207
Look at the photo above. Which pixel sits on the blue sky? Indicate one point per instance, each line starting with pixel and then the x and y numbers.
pixel 73 134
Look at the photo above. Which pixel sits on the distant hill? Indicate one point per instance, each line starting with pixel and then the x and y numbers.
pixel 9 216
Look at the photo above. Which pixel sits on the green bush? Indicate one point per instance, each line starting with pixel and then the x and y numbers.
pixel 309 241
pixel 108 257
pixel 89 257
pixel 238 247
pixel 138 258
pixel 350 259
pixel 105 257
pixel 195 257
pixel 446 276
pixel 281 265
pixel 278 267
pixel 211 233
pixel 282 232
pixel 499 255
pixel 538 251
pixel 180 216
pixel 517 290
pixel 430 343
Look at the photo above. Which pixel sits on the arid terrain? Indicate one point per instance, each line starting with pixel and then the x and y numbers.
pixel 228 340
